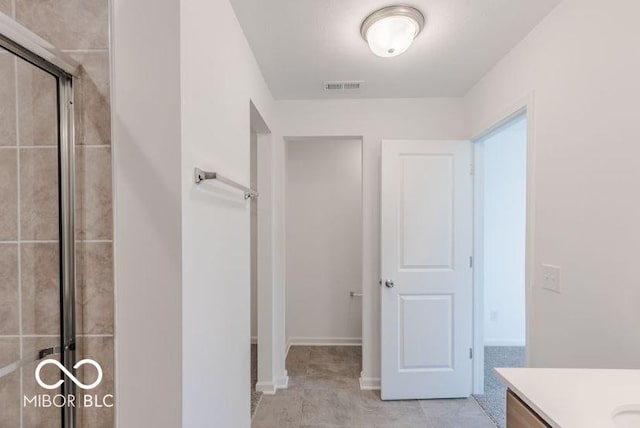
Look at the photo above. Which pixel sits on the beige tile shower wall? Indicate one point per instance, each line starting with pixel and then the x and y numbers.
pixel 9 352
pixel 29 212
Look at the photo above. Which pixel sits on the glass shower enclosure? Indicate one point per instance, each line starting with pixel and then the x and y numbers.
pixel 37 242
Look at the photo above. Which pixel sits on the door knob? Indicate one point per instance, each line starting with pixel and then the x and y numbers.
pixel 389 283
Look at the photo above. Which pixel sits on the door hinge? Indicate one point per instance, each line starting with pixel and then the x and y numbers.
pixel 471 353
pixel 470 261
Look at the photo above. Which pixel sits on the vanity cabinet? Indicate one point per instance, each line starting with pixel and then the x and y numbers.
pixel 519 415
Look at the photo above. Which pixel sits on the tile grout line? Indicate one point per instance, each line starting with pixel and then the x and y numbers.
pixel 35 336
pixel 19 231
pixel 82 241
pixel 29 242
pixel 96 335
pixel 35 146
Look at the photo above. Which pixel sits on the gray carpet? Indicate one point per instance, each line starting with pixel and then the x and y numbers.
pixel 255 395
pixel 494 399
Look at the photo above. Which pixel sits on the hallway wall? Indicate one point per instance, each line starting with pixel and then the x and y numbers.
pixel 183 252
pixel 324 241
pixel 581 65
pixel 217 89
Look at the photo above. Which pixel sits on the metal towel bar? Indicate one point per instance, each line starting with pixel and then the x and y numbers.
pixel 355 294
pixel 200 175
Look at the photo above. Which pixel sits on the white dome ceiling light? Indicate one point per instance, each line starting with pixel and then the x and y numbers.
pixel 391 30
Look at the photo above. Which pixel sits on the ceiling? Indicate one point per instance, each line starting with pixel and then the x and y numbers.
pixel 299 44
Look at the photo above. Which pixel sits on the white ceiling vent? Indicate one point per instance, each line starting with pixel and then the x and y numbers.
pixel 343 85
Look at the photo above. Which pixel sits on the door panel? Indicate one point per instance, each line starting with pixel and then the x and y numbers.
pixel 426 217
pixel 426 234
pixel 426 319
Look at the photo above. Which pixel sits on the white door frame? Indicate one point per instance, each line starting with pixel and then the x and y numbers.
pixel 270 348
pixel 523 106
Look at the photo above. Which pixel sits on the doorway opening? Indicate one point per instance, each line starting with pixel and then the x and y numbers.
pixel 324 252
pixel 501 237
pixel 323 277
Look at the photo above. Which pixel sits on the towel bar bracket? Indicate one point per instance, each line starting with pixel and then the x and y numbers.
pixel 200 175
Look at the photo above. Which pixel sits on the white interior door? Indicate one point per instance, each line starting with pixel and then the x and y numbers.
pixel 426 292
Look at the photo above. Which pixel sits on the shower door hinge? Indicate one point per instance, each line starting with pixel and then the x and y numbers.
pixel 471 353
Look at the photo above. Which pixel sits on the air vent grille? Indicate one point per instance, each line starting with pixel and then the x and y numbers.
pixel 346 85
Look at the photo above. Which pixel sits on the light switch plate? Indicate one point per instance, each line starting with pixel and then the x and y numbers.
pixel 550 277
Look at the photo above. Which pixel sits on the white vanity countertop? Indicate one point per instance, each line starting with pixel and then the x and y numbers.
pixel 575 398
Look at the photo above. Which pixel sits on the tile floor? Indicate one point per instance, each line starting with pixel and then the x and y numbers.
pixel 324 392
pixel 495 393
pixel 255 395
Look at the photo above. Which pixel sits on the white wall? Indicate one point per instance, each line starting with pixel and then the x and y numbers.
pixel 582 64
pixel 373 120
pixel 147 212
pixel 323 240
pixel 219 80
pixel 504 174
pixel 183 252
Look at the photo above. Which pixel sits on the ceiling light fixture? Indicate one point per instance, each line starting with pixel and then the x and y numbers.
pixel 391 30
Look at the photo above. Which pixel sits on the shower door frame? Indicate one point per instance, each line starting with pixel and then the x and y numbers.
pixel 28 46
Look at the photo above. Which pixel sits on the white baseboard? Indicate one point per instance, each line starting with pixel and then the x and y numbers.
pixel 270 388
pixel 267 388
pixel 503 342
pixel 283 382
pixel 324 341
pixel 369 383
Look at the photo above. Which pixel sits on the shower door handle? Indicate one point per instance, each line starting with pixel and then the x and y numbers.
pixel 43 353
